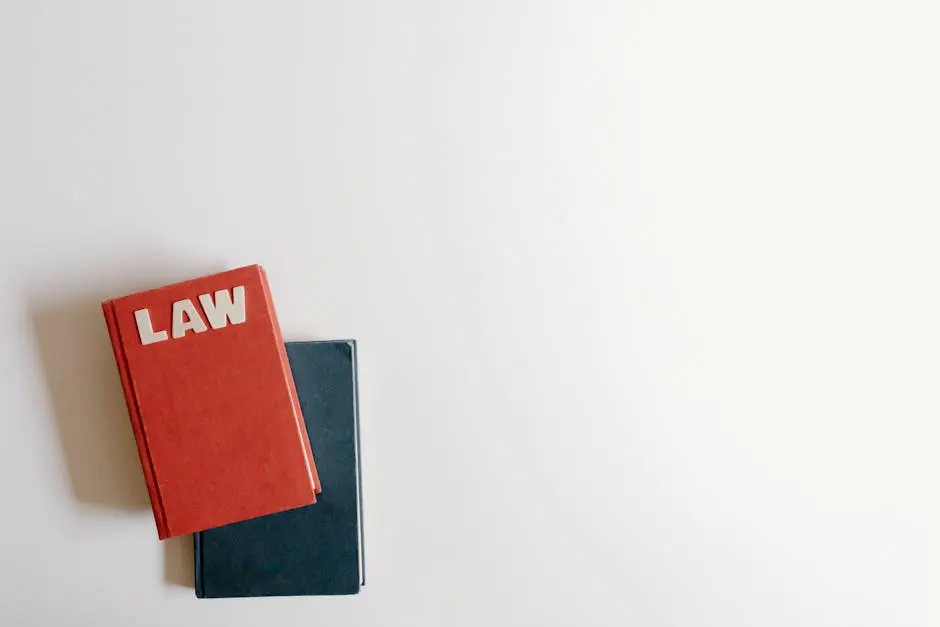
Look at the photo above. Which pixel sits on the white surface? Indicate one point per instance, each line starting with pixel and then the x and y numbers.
pixel 645 293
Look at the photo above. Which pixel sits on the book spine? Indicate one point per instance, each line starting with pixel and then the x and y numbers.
pixel 130 397
pixel 197 565
pixel 358 443
pixel 295 400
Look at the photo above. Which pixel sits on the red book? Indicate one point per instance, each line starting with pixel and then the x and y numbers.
pixel 208 387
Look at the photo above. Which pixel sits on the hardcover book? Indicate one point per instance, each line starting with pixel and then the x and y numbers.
pixel 313 550
pixel 213 406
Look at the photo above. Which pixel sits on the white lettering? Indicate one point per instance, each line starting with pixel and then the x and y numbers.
pixel 145 328
pixel 193 322
pixel 226 307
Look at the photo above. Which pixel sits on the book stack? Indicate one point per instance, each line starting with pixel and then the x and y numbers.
pixel 248 443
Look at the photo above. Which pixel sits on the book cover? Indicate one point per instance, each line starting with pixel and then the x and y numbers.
pixel 313 550
pixel 211 400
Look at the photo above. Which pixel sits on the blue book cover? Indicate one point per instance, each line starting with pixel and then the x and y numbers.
pixel 312 550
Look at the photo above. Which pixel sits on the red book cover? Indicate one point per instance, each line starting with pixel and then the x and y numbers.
pixel 212 402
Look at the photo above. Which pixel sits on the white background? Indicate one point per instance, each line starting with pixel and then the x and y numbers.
pixel 645 293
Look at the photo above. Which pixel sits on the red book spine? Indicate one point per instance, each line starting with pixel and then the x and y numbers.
pixel 139 434
pixel 295 400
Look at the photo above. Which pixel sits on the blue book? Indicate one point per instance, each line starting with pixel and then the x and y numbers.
pixel 312 550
